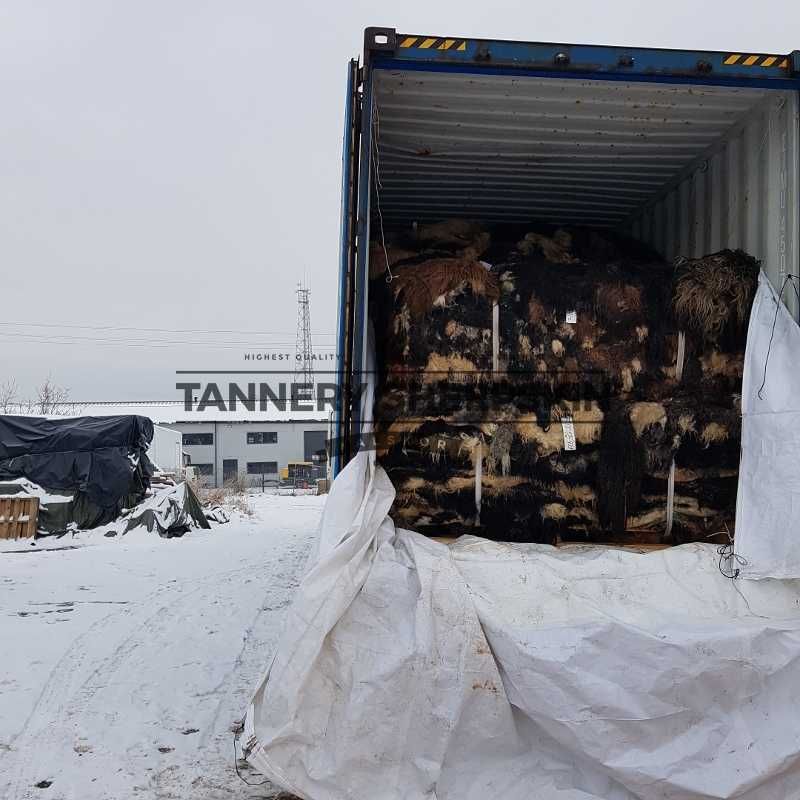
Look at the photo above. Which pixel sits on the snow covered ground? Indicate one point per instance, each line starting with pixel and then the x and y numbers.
pixel 124 661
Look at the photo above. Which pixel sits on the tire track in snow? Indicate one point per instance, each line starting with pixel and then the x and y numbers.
pixel 78 677
pixel 69 680
pixel 213 760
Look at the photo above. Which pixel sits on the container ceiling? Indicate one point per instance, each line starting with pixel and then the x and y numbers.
pixel 516 148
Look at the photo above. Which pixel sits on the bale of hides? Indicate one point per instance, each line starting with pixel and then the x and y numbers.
pixel 707 474
pixel 577 388
pixel 572 323
pixel 514 478
pixel 453 238
pixel 439 318
pixel 508 479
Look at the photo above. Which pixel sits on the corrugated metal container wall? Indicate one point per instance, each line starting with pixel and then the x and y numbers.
pixel 687 169
pixel 688 151
pixel 741 193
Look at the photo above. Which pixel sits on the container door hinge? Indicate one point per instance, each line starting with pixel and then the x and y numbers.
pixel 382 40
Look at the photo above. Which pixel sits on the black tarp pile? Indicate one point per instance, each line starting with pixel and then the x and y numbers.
pixel 170 512
pixel 559 385
pixel 100 461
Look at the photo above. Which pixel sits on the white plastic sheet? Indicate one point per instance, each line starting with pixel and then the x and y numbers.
pixel 410 669
pixel 768 501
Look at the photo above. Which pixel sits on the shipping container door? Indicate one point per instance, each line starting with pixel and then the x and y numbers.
pixel 340 446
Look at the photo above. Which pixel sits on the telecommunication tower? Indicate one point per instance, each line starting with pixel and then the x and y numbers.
pixel 304 354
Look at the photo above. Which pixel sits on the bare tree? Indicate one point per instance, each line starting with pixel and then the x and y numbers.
pixel 51 399
pixel 9 401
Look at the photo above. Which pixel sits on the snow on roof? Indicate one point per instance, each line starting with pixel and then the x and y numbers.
pixel 170 412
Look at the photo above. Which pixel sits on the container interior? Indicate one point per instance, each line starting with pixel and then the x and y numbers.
pixel 688 169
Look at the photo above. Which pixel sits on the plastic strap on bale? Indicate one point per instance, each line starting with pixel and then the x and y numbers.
pixel 681 356
pixel 670 498
pixel 495 337
pixel 478 479
pixel 679 360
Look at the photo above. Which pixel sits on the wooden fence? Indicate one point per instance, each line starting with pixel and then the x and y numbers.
pixel 18 516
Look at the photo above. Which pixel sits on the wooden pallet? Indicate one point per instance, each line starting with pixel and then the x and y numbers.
pixel 19 515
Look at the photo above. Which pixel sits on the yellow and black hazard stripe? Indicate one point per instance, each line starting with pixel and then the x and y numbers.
pixel 432 43
pixel 750 60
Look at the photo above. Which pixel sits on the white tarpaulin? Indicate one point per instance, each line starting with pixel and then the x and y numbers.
pixel 412 669
pixel 768 500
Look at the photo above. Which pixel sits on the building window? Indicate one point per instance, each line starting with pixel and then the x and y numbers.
pixel 314 447
pixel 204 469
pixel 262 467
pixel 262 437
pixel 198 438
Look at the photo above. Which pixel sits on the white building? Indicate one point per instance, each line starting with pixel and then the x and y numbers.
pixel 252 445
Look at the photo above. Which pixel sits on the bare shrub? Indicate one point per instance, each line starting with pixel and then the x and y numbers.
pixel 238 485
pixel 241 504
pixel 9 402
pixel 214 496
pixel 232 495
pixel 51 399
pixel 236 494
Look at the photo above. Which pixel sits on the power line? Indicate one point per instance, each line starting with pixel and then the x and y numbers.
pixel 148 343
pixel 151 330
pixel 124 340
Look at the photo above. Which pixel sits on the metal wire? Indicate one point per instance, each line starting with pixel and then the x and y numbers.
pixel 239 774
pixel 786 280
pixel 375 157
pixel 729 560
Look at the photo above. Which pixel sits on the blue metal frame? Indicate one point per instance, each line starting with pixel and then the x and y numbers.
pixel 344 246
pixel 594 60
pixel 362 256
pixel 352 374
pixel 523 72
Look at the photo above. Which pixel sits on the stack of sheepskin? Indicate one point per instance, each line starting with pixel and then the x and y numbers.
pixel 558 385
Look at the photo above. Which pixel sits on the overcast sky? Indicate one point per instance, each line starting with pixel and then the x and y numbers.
pixel 176 165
